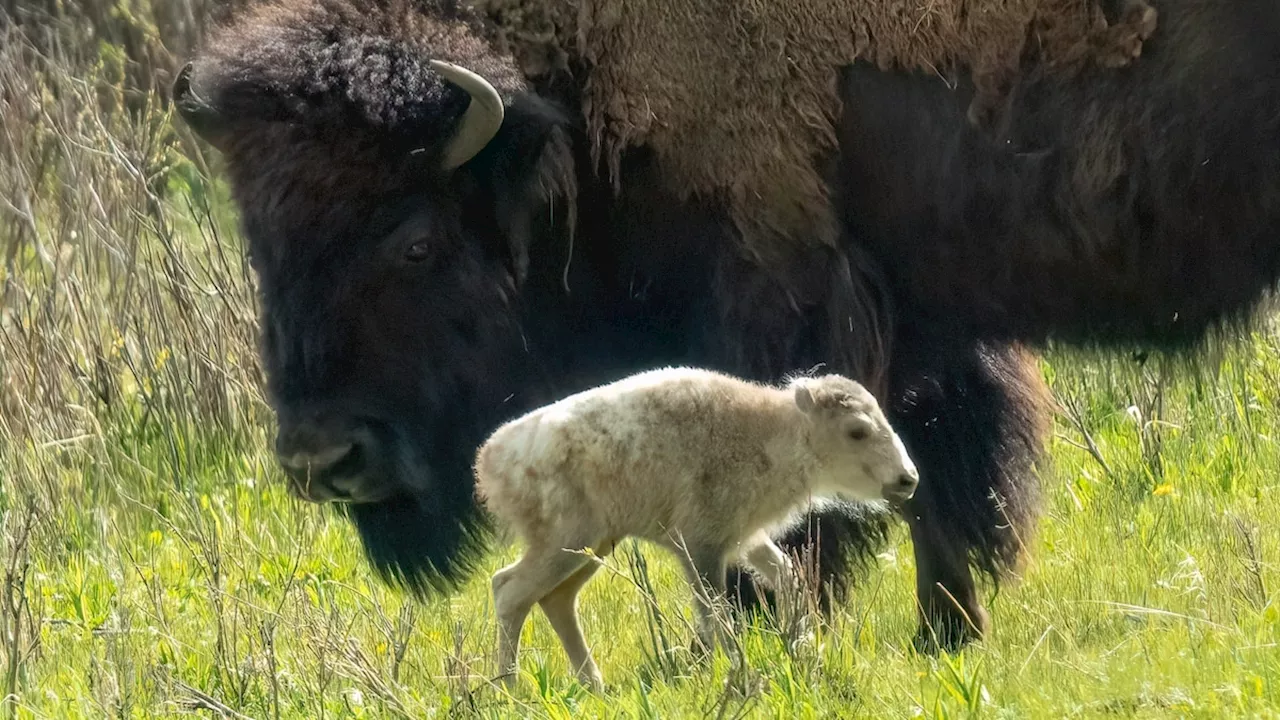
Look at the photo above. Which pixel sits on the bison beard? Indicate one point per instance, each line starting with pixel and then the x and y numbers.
pixel 426 545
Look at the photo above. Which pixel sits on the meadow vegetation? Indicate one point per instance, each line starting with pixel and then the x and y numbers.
pixel 153 565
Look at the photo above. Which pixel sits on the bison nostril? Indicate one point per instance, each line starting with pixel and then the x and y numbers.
pixel 317 460
pixel 325 463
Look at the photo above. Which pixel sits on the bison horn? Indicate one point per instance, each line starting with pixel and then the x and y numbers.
pixel 481 120
pixel 198 114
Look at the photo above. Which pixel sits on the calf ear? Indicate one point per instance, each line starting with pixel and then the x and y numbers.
pixel 804 400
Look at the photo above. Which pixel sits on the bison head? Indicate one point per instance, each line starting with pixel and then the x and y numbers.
pixel 386 163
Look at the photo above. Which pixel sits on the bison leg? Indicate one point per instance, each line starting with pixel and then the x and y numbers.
pixel 974 421
pixel 764 334
pixel 951 614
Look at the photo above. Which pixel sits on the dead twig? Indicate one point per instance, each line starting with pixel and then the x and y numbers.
pixel 200 700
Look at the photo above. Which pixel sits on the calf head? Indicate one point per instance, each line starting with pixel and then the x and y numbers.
pixel 860 456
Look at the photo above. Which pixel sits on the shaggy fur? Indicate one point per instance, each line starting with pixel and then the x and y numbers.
pixel 347 74
pixel 1130 207
pixel 977 420
pixel 1111 198
pixel 709 85
pixel 701 463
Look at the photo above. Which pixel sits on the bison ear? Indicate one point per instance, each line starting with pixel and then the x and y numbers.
pixel 532 165
pixel 804 399
pixel 203 119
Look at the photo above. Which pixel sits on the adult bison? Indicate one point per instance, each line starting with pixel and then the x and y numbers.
pixel 437 253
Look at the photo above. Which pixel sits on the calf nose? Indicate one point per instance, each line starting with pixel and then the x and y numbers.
pixel 902 488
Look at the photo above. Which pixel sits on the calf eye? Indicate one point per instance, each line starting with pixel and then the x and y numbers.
pixel 858 433
pixel 418 252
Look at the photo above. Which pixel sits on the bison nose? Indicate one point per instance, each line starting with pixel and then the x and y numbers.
pixel 317 460
pixel 902 488
pixel 324 464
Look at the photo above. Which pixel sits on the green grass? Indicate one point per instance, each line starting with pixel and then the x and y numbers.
pixel 154 566
pixel 170 562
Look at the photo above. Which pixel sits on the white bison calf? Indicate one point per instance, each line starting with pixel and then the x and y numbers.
pixel 701 463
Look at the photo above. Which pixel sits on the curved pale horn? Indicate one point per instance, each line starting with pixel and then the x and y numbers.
pixel 199 115
pixel 481 120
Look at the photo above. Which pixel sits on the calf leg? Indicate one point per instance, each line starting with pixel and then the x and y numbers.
pixel 561 608
pixel 766 558
pixel 517 587
pixel 704 568
pixel 974 421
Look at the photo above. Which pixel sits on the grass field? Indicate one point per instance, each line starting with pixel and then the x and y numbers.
pixel 154 566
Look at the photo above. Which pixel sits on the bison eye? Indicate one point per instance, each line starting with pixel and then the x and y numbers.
pixel 418 252
pixel 858 433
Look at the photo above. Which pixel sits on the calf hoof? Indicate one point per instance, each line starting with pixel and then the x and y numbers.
pixel 800 634
pixel 805 640
pixel 509 680
pixel 700 651
pixel 592 679
pixel 949 630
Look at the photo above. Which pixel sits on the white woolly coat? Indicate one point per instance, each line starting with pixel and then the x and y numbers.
pixel 672 449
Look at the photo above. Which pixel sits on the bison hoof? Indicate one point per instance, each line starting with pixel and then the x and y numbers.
pixel 950 631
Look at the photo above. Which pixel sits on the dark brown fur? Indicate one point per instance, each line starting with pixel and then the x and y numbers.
pixel 708 84
pixel 1117 207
